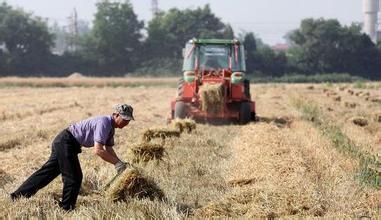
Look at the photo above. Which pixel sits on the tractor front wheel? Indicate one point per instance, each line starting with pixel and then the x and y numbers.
pixel 180 110
pixel 244 113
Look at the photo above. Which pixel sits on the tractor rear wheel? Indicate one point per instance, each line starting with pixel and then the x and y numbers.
pixel 244 113
pixel 180 110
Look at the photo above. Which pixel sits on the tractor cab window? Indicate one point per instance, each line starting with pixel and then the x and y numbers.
pixel 214 57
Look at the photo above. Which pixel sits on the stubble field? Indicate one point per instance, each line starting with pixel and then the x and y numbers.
pixel 314 152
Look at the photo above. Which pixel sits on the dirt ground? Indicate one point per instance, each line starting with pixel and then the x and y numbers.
pixel 283 165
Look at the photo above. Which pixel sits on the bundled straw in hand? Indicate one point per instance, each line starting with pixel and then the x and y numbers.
pixel 132 184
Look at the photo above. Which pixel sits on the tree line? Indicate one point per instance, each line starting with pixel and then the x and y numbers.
pixel 118 43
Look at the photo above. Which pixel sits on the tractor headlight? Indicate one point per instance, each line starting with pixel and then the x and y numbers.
pixel 237 77
pixel 189 76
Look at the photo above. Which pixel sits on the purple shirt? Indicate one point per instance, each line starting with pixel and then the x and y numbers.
pixel 97 129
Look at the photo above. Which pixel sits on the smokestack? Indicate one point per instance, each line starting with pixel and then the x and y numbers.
pixel 370 9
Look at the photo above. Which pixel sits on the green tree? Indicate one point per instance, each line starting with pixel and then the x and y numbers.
pixel 26 39
pixel 250 44
pixel 115 40
pixel 228 32
pixel 321 45
pixel 261 59
pixel 168 32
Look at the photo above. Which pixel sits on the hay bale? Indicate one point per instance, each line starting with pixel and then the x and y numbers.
pixel 212 97
pixel 366 94
pixel 351 92
pixel 342 88
pixel 350 104
pixel 146 152
pixel 376 100
pixel 162 133
pixel 331 93
pixel 132 184
pixel 241 182
pixel 360 121
pixel 182 125
pixel 310 87
pixel 337 98
pixel 282 122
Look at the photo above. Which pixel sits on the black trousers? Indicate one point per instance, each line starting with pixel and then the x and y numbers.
pixel 63 160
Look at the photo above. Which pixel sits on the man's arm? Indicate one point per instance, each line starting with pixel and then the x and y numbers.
pixel 110 149
pixel 106 154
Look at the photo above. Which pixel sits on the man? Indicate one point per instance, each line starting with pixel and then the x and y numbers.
pixel 97 132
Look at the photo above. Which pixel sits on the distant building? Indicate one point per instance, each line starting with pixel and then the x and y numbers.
pixel 371 10
pixel 280 47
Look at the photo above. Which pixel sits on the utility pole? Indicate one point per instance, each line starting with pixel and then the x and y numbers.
pixel 155 7
pixel 73 31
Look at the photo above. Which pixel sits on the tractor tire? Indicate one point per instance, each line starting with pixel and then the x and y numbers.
pixel 244 113
pixel 246 84
pixel 180 110
pixel 180 89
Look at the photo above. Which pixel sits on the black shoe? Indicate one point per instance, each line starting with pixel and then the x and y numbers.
pixel 66 208
pixel 13 197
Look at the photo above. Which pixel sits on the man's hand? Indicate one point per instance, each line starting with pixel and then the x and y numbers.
pixel 120 166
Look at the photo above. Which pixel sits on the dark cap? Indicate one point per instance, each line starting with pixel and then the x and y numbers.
pixel 125 111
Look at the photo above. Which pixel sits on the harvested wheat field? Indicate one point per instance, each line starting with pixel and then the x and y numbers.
pixel 305 157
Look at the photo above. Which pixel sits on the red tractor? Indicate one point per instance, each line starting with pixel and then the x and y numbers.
pixel 218 63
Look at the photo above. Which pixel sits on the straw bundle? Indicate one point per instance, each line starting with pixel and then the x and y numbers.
pixel 360 121
pixel 147 151
pixel 366 94
pixel 182 125
pixel 350 104
pixel 212 97
pixel 241 182
pixel 310 87
pixel 162 133
pixel 331 93
pixel 132 184
pixel 342 88
pixel 337 98
pixel 282 122
pixel 377 100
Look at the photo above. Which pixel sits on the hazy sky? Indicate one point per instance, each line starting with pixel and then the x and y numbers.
pixel 268 19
